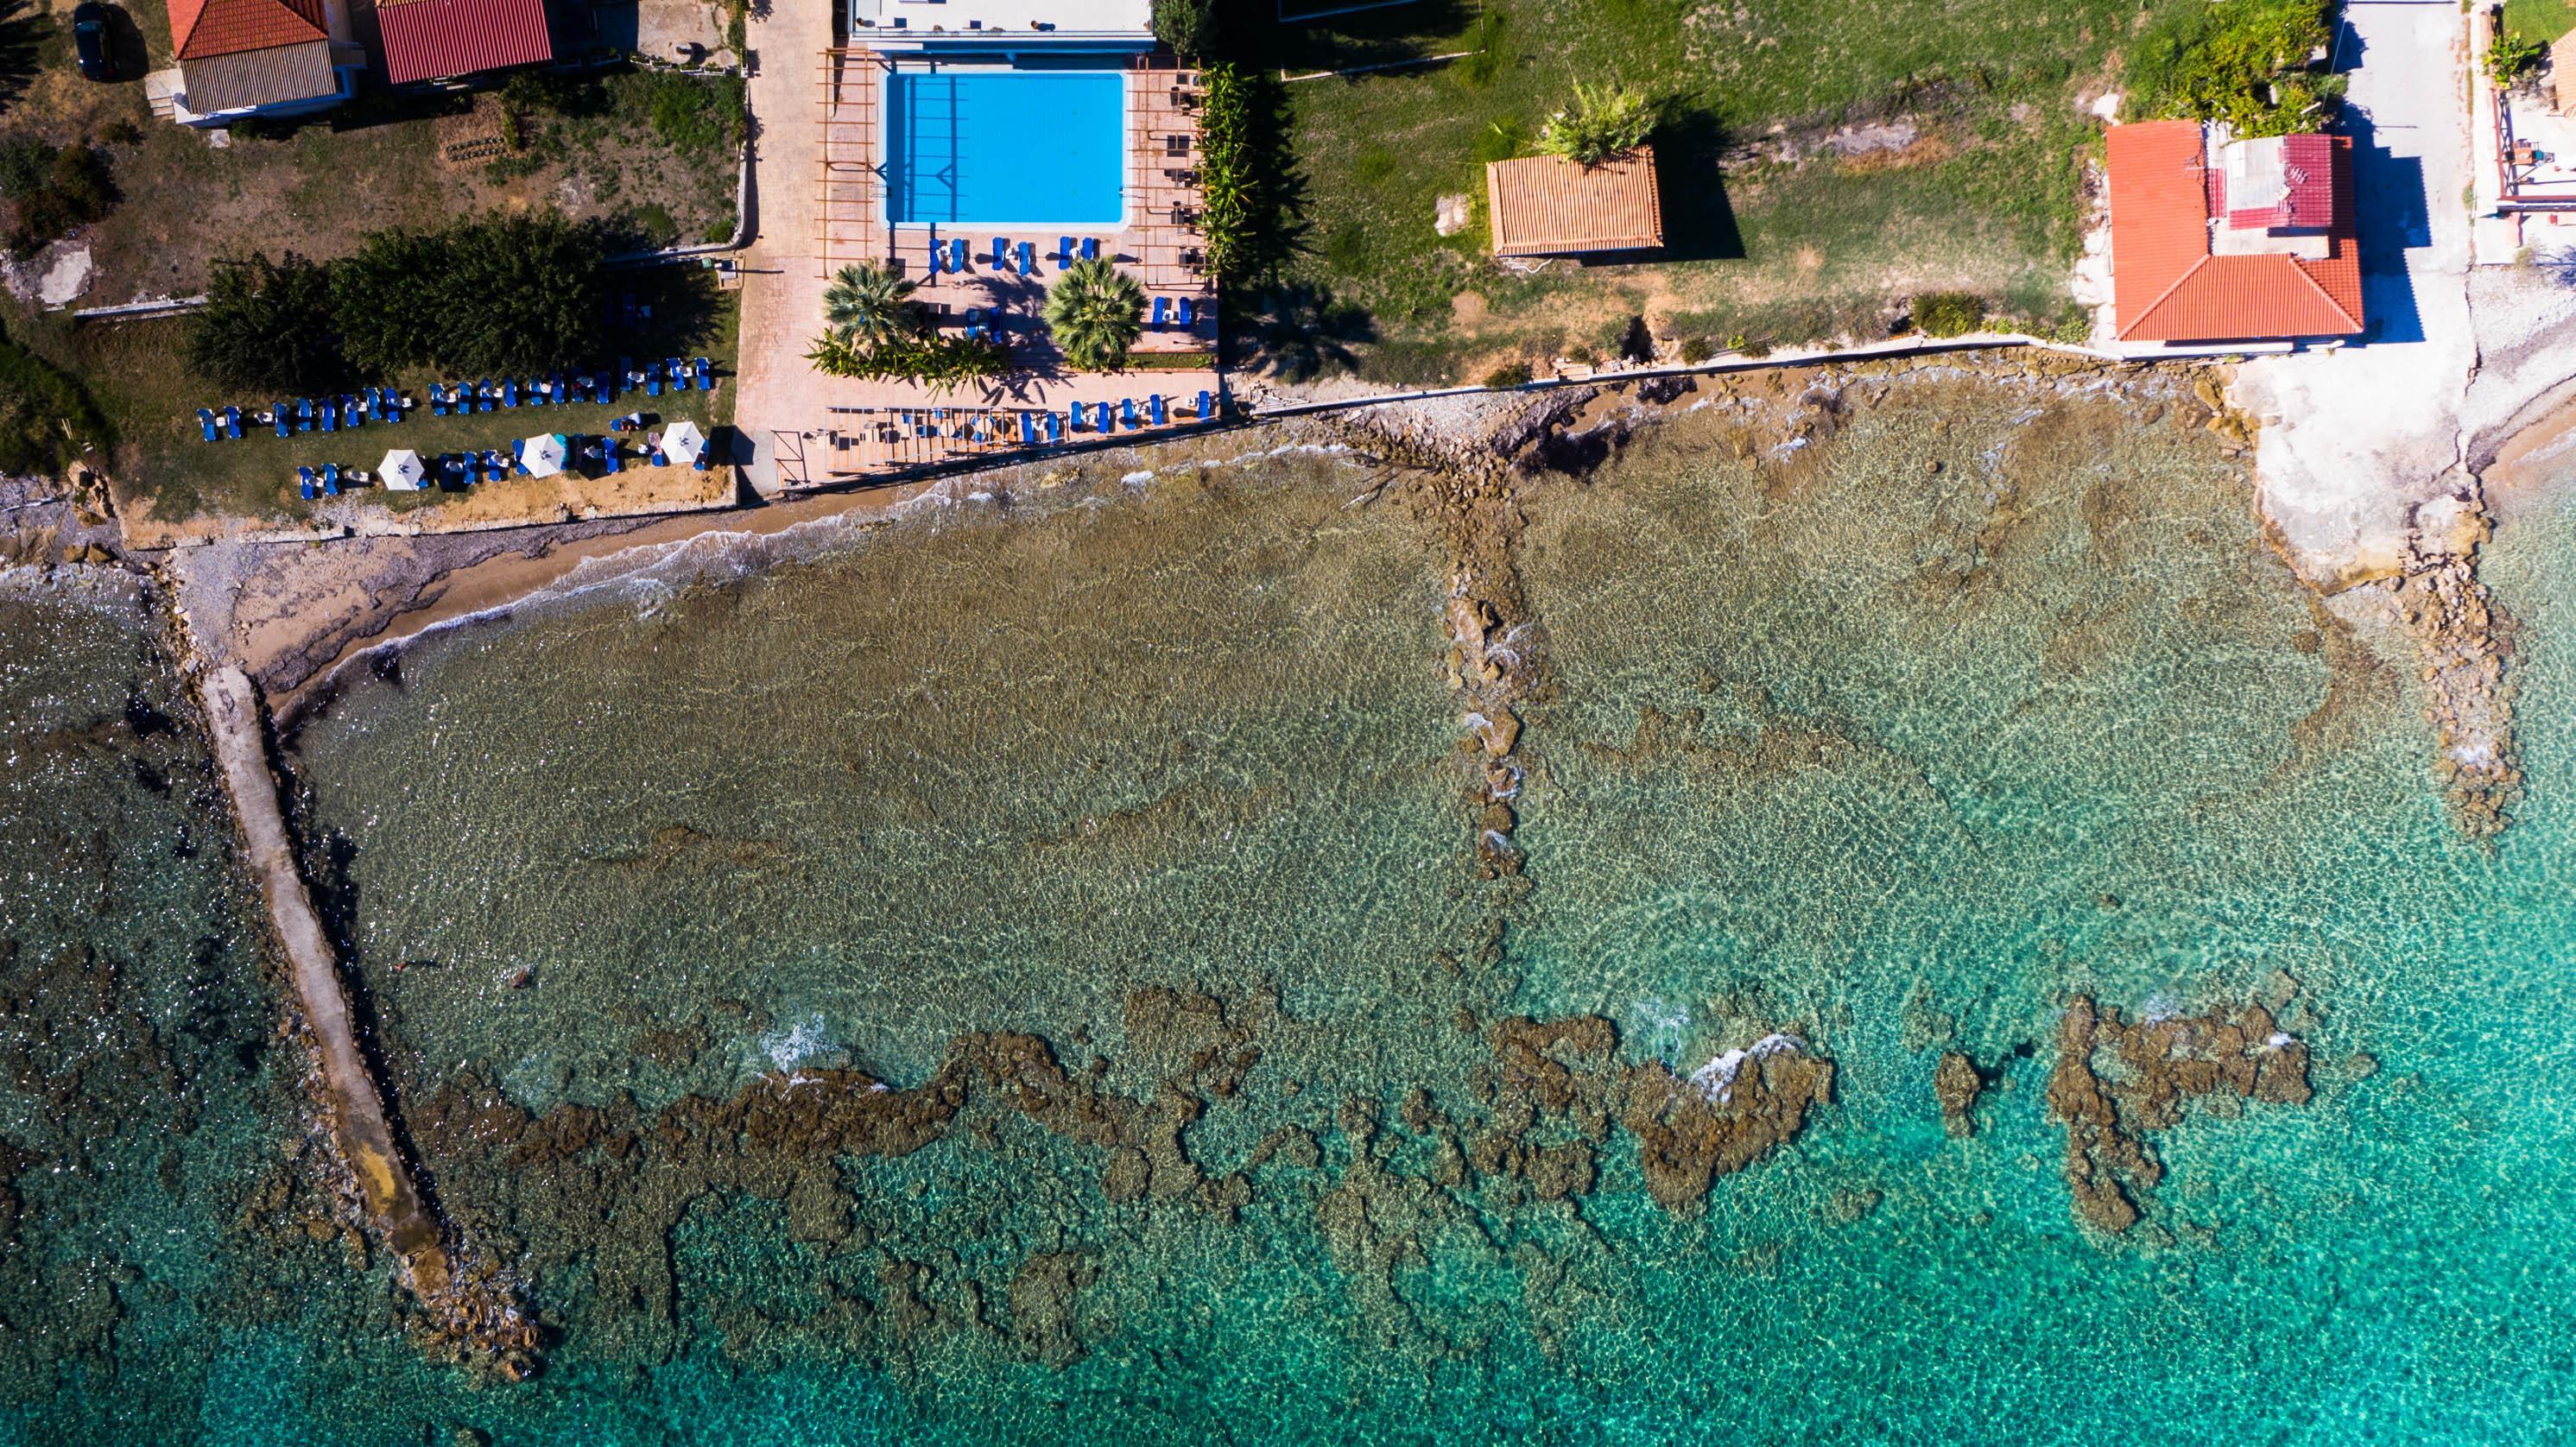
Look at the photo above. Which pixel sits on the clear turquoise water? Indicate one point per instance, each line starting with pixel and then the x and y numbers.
pixel 1935 752
pixel 1006 147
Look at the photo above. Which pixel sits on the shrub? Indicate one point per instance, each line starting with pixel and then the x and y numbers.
pixel 509 293
pixel 687 112
pixel 2242 61
pixel 938 362
pixel 1695 350
pixel 1509 374
pixel 1096 312
pixel 121 133
pixel 2509 55
pixel 268 326
pixel 1948 313
pixel 55 190
pixel 865 302
pixel 1227 187
pixel 1601 123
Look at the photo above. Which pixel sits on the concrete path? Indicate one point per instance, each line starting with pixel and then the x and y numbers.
pixel 782 285
pixel 2354 440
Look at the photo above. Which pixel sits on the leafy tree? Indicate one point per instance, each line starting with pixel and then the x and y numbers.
pixel 1096 312
pixel 942 363
pixel 57 189
pixel 1602 123
pixel 2509 55
pixel 268 326
pixel 868 302
pixel 2244 62
pixel 513 293
pixel 1189 27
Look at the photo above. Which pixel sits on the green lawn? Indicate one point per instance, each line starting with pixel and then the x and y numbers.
pixel 161 460
pixel 2541 20
pixel 1773 234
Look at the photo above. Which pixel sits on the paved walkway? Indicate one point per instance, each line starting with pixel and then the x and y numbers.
pixel 2353 440
pixel 782 285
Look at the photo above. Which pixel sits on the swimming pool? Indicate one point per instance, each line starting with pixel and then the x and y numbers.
pixel 1006 148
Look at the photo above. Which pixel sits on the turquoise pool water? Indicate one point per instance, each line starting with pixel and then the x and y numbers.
pixel 1005 148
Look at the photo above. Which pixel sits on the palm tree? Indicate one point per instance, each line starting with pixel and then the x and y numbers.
pixel 1096 312
pixel 866 301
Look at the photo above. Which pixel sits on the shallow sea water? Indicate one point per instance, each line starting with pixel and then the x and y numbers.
pixel 1896 758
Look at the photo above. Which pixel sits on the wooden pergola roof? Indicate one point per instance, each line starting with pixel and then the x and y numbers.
pixel 1549 206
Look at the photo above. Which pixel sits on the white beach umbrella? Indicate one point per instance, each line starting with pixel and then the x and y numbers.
pixel 683 443
pixel 544 454
pixel 401 470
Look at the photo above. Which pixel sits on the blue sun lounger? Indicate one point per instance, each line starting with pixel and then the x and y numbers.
pixel 1204 414
pixel 331 479
pixel 519 457
pixel 660 458
pixel 330 415
pixel 1162 312
pixel 437 400
pixel 957 254
pixel 353 410
pixel 1001 252
pixel 1108 420
pixel 1055 429
pixel 1091 248
pixel 603 388
pixel 206 423
pixel 1154 409
pixel 232 423
pixel 681 379
pixel 304 484
pixel 706 457
pixel 706 375
pixel 937 252
pixel 1126 412
pixel 1028 257
pixel 303 414
pixel 1186 318
pixel 652 379
pixel 488 397
pixel 509 391
pixel 1063 252
pixel 1028 430
pixel 283 415
pixel 608 459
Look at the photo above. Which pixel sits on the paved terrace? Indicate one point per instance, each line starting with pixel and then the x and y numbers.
pixel 809 429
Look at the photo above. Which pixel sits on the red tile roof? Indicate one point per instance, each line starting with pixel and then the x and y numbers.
pixel 2307 189
pixel 434 39
pixel 2167 287
pixel 1549 206
pixel 203 28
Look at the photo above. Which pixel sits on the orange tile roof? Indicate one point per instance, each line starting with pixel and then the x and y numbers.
pixel 1549 206
pixel 2165 284
pixel 203 28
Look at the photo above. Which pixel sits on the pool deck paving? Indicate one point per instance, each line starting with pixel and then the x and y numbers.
pixel 800 428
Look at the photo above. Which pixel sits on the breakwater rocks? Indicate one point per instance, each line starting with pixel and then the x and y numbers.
pixel 2116 1080
pixel 2466 640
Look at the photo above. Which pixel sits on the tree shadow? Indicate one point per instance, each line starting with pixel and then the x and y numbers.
pixel 684 305
pixel 1276 227
pixel 1298 330
pixel 23 31
pixel 1254 32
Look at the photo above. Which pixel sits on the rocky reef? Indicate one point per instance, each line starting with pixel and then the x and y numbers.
pixel 2116 1080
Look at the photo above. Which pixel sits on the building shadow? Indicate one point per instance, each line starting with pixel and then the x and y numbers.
pixel 1690 183
pixel 2393 218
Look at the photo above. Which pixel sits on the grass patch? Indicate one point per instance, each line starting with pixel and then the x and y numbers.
pixel 1770 232
pixel 2541 20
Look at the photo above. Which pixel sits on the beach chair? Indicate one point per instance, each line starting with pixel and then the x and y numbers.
pixel 1091 248
pixel 331 479
pixel 206 423
pixel 706 457
pixel 937 253
pixel 330 414
pixel 304 483
pixel 1154 408
pixel 282 415
pixel 1028 256
pixel 1055 429
pixel 660 458
pixel 487 397
pixel 437 400
pixel 609 459
pixel 1185 317
pixel 1001 252
pixel 510 392
pixel 1063 252
pixel 957 254
pixel 679 374
pixel 652 380
pixel 706 375
pixel 303 414
pixel 519 457
pixel 1162 312
pixel 1203 405
pixel 1028 430
pixel 1127 412
pixel 232 423
pixel 355 409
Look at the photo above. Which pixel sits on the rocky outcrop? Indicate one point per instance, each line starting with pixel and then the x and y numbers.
pixel 2118 1080
pixel 2465 639
pixel 1956 1082
pixel 1724 1117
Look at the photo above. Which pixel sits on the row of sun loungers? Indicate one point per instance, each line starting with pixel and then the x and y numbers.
pixel 304 414
pixel 466 469
pixel 1045 428
pixel 557 390
pixel 949 255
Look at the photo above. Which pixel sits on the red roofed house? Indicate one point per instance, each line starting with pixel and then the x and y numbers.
pixel 427 40
pixel 2222 240
pixel 244 58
